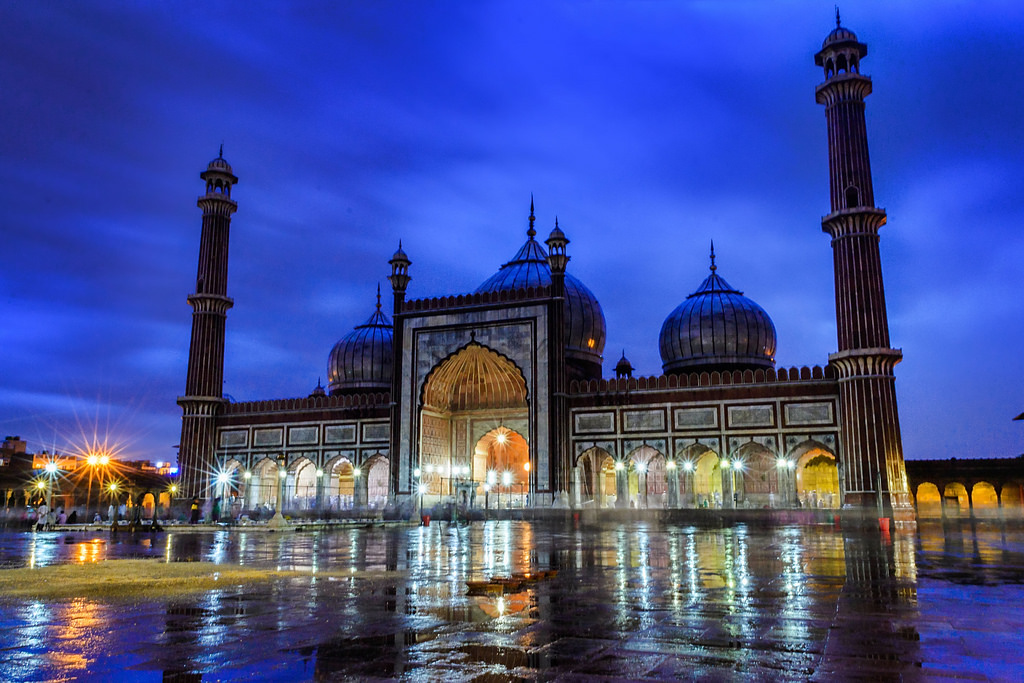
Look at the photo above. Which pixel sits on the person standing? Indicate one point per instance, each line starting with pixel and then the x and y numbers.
pixel 41 513
pixel 195 511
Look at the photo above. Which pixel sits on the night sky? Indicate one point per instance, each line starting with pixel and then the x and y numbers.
pixel 648 128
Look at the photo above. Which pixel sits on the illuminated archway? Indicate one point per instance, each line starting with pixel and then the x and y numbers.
pixel 264 481
pixel 957 501
pixel 1012 498
pixel 758 480
pixel 339 491
pixel 647 480
pixel 702 467
pixel 929 502
pixel 377 471
pixel 984 500
pixel 817 478
pixel 300 492
pixel 474 420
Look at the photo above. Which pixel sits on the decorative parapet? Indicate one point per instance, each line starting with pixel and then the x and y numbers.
pixel 475 299
pixel 704 379
pixel 372 400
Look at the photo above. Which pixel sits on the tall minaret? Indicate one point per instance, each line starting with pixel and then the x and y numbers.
pixel 559 425
pixel 204 388
pixel 871 451
pixel 399 279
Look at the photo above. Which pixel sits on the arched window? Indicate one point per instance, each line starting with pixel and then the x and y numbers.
pixel 841 63
pixel 852 197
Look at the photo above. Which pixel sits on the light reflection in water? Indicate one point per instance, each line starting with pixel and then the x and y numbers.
pixel 615 582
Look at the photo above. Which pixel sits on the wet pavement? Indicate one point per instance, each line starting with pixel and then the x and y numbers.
pixel 639 601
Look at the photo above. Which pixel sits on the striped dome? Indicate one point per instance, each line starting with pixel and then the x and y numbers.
pixel 717 328
pixel 361 360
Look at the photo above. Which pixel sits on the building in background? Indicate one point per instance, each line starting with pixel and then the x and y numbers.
pixel 497 398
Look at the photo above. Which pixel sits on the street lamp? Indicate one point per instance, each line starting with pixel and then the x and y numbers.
pixel 113 496
pixel 691 480
pixel 785 466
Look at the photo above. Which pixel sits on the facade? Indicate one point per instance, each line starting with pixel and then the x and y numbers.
pixel 496 398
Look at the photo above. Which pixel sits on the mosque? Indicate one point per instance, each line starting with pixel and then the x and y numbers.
pixel 497 398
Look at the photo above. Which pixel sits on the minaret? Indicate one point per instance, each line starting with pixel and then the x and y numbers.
pixel 204 388
pixel 399 279
pixel 871 452
pixel 559 428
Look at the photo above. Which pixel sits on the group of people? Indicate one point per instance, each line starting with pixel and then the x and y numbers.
pixel 45 518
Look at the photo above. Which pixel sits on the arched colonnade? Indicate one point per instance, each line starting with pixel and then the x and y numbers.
pixel 752 477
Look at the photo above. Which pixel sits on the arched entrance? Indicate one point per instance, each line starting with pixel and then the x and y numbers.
pixel 503 456
pixel 596 469
pixel 300 493
pixel 817 479
pixel 265 481
pixel 929 501
pixel 647 481
pixel 340 486
pixel 701 476
pixel 376 470
pixel 984 500
pixel 758 479
pixel 957 501
pixel 474 424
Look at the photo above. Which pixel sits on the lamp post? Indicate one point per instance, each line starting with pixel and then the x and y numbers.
pixel 357 486
pixel 419 487
pixel 785 467
pixel 247 499
pixel 223 479
pixel 51 473
pixel 172 490
pixel 526 484
pixel 641 491
pixel 621 488
pixel 672 482
pixel 113 495
pixel 692 488
pixel 506 480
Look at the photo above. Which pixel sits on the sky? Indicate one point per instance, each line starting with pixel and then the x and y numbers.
pixel 648 128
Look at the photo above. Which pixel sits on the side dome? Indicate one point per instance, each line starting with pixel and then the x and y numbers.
pixel 717 328
pixel 361 360
pixel 585 330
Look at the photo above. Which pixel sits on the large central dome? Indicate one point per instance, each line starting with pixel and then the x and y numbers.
pixel 717 328
pixel 584 320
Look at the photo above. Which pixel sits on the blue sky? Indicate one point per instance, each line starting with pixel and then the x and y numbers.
pixel 648 128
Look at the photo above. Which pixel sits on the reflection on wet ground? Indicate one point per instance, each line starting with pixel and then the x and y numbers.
pixel 643 602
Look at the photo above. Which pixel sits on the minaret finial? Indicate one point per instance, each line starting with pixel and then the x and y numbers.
pixel 713 266
pixel 378 296
pixel 220 154
pixel 531 232
pixel 837 16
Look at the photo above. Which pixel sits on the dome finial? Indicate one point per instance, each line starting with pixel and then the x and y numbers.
pixel 531 233
pixel 220 154
pixel 837 16
pixel 378 296
pixel 713 266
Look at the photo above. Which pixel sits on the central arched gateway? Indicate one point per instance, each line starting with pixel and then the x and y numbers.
pixel 474 430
